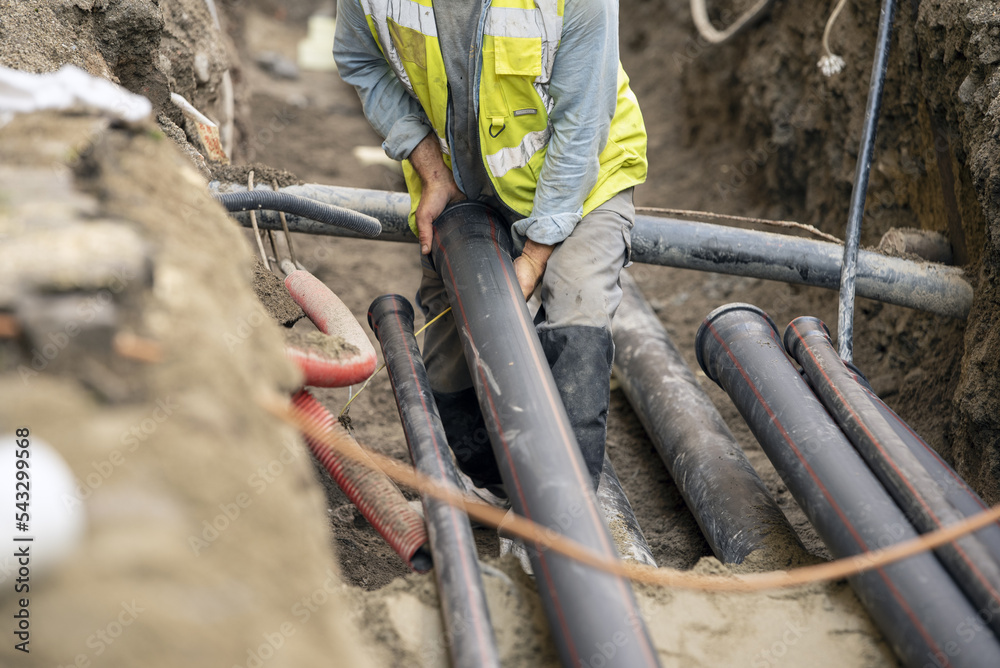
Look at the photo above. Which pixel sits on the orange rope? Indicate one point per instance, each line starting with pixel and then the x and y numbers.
pixel 546 538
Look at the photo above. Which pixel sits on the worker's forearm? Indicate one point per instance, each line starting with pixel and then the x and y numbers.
pixel 438 188
pixel 426 159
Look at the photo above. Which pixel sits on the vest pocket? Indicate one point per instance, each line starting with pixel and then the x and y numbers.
pixel 520 56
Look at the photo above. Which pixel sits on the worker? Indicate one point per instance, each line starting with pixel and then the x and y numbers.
pixel 522 105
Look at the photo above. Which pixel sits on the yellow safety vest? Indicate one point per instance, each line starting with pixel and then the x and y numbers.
pixel 519 45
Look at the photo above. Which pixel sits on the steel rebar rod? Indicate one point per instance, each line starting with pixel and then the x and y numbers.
pixel 900 472
pixel 849 267
pixel 701 246
pixel 915 603
pixel 731 504
pixel 593 615
pixel 456 565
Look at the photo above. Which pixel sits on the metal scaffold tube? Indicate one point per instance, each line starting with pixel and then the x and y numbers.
pixel 456 565
pixel 921 611
pixel 728 499
pixel 593 615
pixel 901 473
pixel 684 244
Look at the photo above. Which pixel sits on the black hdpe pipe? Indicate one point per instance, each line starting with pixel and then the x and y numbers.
pixel 901 473
pixel 621 518
pixel 593 615
pixel 920 610
pixel 848 271
pixel 701 246
pixel 255 200
pixel 728 499
pixel 956 490
pixel 456 566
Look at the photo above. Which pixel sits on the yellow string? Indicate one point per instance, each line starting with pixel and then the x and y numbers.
pixel 365 384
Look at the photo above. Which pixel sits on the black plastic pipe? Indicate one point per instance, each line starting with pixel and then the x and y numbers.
pixel 593 615
pixel 921 611
pixel 731 504
pixel 701 246
pixel 329 214
pixel 901 473
pixel 848 271
pixel 621 517
pixel 456 565
pixel 956 490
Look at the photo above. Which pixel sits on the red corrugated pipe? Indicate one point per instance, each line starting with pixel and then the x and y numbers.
pixel 377 497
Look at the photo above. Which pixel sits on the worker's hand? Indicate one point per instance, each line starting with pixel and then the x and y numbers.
pixel 438 187
pixel 530 265
pixel 436 195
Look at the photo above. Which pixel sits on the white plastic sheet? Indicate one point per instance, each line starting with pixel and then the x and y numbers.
pixel 69 88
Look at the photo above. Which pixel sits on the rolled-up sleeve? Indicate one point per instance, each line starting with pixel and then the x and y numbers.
pixel 395 114
pixel 584 90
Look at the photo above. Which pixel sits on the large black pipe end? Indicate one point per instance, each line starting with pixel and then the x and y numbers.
pixel 474 218
pixel 804 327
pixel 736 315
pixel 390 305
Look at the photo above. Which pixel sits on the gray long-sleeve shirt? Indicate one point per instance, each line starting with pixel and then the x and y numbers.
pixel 584 87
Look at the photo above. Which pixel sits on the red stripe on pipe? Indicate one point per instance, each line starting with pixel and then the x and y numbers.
pixel 609 551
pixel 856 419
pixel 370 490
pixel 819 483
pixel 456 515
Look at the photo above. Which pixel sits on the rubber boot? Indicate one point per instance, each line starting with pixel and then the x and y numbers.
pixel 465 430
pixel 581 358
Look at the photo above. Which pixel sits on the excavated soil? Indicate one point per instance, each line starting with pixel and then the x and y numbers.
pixel 324 345
pixel 271 292
pixel 749 128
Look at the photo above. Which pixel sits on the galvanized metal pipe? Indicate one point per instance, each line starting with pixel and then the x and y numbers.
pixel 593 615
pixel 702 246
pixel 731 504
pixel 456 565
pixel 924 616
pixel 898 469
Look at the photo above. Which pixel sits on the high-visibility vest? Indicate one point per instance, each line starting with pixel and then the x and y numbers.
pixel 518 47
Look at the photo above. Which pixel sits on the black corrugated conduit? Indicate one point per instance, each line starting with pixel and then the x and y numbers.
pixel 685 244
pixel 923 614
pixel 728 499
pixel 328 214
pixel 456 566
pixel 901 473
pixel 593 615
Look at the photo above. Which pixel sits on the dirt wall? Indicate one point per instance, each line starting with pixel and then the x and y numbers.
pixel 936 168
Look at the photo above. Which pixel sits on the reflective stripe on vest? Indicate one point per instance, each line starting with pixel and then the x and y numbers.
pixel 514 157
pixel 406 13
pixel 526 20
pixel 517 51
